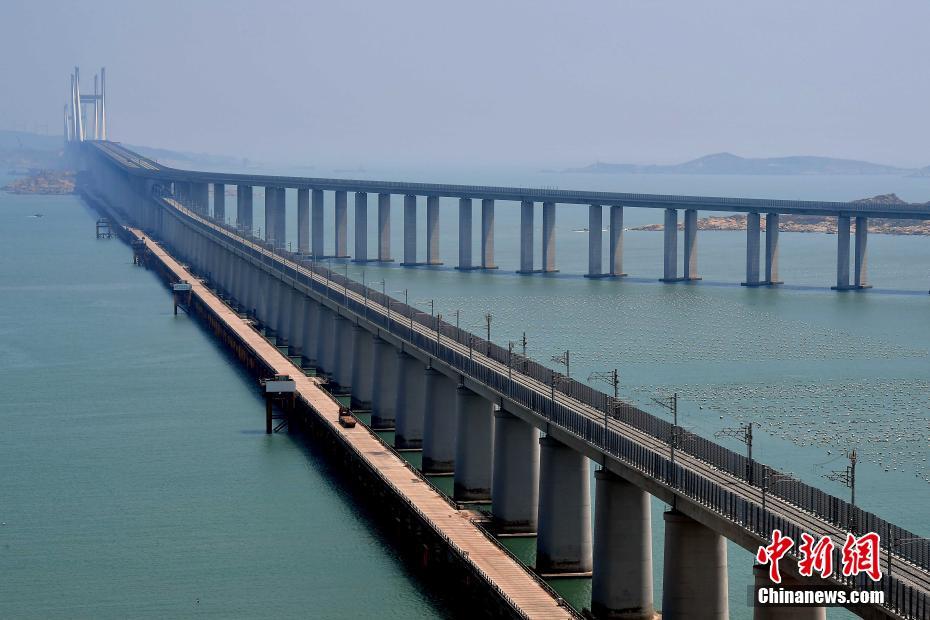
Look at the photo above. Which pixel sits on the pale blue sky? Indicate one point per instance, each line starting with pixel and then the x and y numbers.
pixel 524 82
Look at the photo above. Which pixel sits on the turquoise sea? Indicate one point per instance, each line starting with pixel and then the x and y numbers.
pixel 138 482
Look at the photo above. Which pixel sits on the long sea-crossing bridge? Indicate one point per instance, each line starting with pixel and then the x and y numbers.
pixel 508 429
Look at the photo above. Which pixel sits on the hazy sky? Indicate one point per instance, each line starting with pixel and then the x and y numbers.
pixel 534 82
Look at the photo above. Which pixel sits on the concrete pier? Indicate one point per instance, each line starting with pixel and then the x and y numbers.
pixel 760 574
pixel 200 196
pixel 622 581
pixel 219 202
pixel 280 218
pixel 270 211
pixel 670 246
pixel 317 248
pixel 410 231
pixel 690 258
pixel 515 486
pixel 327 343
pixel 842 253
pixel 487 234
pixel 752 249
pixel 342 354
pixel 361 227
pixel 861 275
pixel 383 384
pixel 341 224
pixel 432 231
pixel 298 305
pixel 694 582
pixel 616 241
pixel 408 431
pixel 303 221
pixel 384 228
pixel 474 448
pixel 438 424
pixel 311 322
pixel 595 238
pixel 526 236
pixel 244 207
pixel 362 372
pixel 771 249
pixel 563 541
pixel 548 237
pixel 464 234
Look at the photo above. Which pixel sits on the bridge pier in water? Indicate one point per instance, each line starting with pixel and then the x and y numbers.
pixel 474 448
pixel 487 234
pixel 432 231
pixel 341 226
pixel 694 581
pixel 622 575
pixel 411 404
pixel 563 541
pixel 410 231
pixel 670 246
pixel 384 228
pixel 303 221
pixel 317 240
pixel 464 234
pixel 383 384
pixel 752 249
pixel 691 234
pixel 439 423
pixel 526 236
pixel 362 368
pixel 515 476
pixel 219 202
pixel 548 238
pixel 361 227
pixel 595 237
pixel 771 249
pixel 244 208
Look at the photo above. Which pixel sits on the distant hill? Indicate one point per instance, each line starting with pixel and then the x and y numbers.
pixel 728 163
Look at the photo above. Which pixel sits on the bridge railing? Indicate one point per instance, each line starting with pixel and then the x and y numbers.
pixel 901 597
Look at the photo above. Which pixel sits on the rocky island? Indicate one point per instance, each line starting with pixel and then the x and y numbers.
pixel 814 223
pixel 43 182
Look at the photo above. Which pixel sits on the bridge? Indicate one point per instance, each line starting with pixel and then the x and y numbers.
pixel 506 428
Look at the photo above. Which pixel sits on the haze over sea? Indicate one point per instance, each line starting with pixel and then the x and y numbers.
pixel 152 493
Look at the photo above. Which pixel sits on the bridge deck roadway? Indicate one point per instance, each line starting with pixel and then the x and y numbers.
pixel 523 590
pixel 141 166
pixel 902 569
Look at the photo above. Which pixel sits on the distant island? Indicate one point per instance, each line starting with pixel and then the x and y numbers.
pixel 728 163
pixel 43 182
pixel 814 223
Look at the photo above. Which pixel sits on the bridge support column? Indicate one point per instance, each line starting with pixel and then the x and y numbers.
pixel 346 355
pixel 842 253
pixel 464 234
pixel 341 224
pixel 303 221
pixel 201 197
pixel 432 231
pixel 861 276
pixel 670 266
pixel 408 429
pixel 616 241
pixel 384 228
pixel 771 249
pixel 690 258
pixel 324 355
pixel 311 335
pixel 383 385
pixel 283 316
pixel 563 542
pixel 219 202
pixel 548 238
pixel 270 212
pixel 298 308
pixel 515 483
pixel 752 249
pixel 694 583
pixel 244 208
pixel 622 581
pixel 280 219
pixel 474 448
pixel 526 236
pixel 316 235
pixel 595 239
pixel 487 234
pixel 340 325
pixel 361 227
pixel 362 362
pixel 410 231
pixel 438 424
pixel 760 575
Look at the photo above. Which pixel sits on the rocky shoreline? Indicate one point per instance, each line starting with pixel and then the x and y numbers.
pixel 814 223
pixel 43 182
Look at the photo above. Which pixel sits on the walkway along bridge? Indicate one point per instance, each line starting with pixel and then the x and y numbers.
pixel 409 367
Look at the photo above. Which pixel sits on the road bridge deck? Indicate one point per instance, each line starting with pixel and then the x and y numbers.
pixel 523 590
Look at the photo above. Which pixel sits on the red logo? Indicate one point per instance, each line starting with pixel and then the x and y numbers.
pixel 860 555
pixel 773 553
pixel 817 557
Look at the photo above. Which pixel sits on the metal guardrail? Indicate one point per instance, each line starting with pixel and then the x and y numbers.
pixel 900 597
